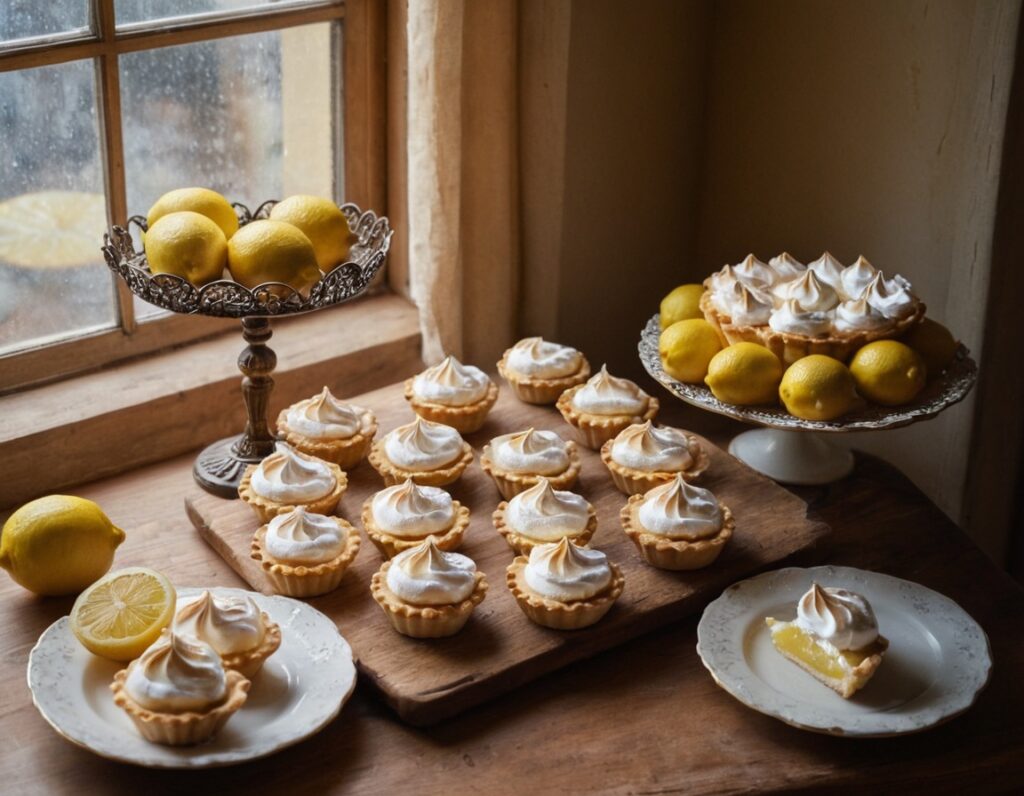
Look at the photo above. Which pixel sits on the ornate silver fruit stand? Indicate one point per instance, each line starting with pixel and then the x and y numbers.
pixel 219 467
pixel 795 451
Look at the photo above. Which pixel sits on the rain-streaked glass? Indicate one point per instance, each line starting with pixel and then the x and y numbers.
pixel 129 11
pixel 53 282
pixel 26 19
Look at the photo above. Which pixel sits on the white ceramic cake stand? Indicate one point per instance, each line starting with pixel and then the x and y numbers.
pixel 794 451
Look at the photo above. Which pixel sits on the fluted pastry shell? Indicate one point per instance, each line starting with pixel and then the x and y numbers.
pixel 391 545
pixel 301 580
pixel 393 474
pixel 539 391
pixel 464 419
pixel 267 509
pixel 346 453
pixel 595 430
pixel 556 614
pixel 522 545
pixel 511 484
pixel 631 481
pixel 248 662
pixel 675 554
pixel 425 621
pixel 181 729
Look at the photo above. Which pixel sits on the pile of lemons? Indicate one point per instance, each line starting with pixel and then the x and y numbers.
pixel 815 387
pixel 194 233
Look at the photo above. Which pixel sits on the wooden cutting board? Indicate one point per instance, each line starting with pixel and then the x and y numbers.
pixel 499 649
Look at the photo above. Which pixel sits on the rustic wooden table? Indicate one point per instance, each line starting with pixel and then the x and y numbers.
pixel 642 718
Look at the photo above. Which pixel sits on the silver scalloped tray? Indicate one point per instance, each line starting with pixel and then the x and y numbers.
pixel 228 299
pixel 938 394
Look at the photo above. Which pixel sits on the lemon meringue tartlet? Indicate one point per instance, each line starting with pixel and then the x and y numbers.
pixel 431 454
pixel 834 638
pixel 287 478
pixel 329 429
pixel 178 692
pixel 564 586
pixel 454 394
pixel 677 525
pixel 541 515
pixel 427 592
pixel 242 634
pixel 403 516
pixel 643 456
pixel 517 461
pixel 304 554
pixel 604 406
pixel 539 371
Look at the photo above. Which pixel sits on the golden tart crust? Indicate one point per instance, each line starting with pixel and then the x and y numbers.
pixel 631 481
pixel 596 430
pixel 556 614
pixel 346 453
pixel 267 509
pixel 391 545
pixel 541 391
pixel 464 419
pixel 425 621
pixel 394 475
pixel 511 484
pixel 523 545
pixel 675 554
pixel 181 729
pixel 301 580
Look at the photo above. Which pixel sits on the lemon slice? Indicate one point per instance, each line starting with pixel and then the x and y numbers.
pixel 123 613
pixel 52 229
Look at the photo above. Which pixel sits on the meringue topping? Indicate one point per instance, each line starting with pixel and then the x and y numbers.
pixel 645 447
pixel 743 305
pixel 287 476
pixel 828 270
pixel 228 624
pixel 410 511
pixel 302 537
pixel 842 618
pixel 789 318
pixel 857 315
pixel 754 273
pixel 809 293
pixel 423 445
pixel 856 278
pixel 531 451
pixel 177 674
pixel 325 417
pixel 546 514
pixel 450 383
pixel 604 394
pixel 537 358
pixel 426 575
pixel 786 266
pixel 891 297
pixel 565 571
pixel 679 510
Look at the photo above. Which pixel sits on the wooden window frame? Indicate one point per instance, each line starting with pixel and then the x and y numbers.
pixel 360 142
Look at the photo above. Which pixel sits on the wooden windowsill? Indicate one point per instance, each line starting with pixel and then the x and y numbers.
pixel 135 413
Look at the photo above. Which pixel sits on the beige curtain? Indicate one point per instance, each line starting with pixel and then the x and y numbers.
pixel 463 175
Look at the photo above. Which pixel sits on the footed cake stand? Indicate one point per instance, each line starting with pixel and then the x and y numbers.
pixel 794 451
pixel 219 467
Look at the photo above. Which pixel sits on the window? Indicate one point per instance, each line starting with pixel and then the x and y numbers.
pixel 104 106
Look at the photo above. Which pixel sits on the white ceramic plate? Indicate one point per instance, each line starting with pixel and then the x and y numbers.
pixel 937 663
pixel 300 689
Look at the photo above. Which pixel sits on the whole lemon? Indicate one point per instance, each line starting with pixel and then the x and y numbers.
pixel 681 304
pixel 888 372
pixel 322 222
pixel 745 374
pixel 934 342
pixel 817 388
pixel 272 251
pixel 686 348
pixel 188 245
pixel 199 200
pixel 58 544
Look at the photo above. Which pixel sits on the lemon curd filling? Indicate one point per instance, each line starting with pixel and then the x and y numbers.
pixel 790 639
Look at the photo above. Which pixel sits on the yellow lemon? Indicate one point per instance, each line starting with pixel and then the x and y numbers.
pixel 686 348
pixel 58 544
pixel 745 374
pixel 123 613
pixel 817 388
pixel 272 251
pixel 681 304
pixel 188 245
pixel 322 222
pixel 934 342
pixel 199 200
pixel 888 372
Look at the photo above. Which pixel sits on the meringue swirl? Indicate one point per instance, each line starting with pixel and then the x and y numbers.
pixel 325 417
pixel 891 297
pixel 546 514
pixel 302 537
pixel 842 618
pixel 566 572
pixel 531 451
pixel 450 383
pixel 537 358
pixel 828 270
pixel 646 447
pixel 754 273
pixel 678 510
pixel 809 293
pixel 787 266
pixel 856 278
pixel 423 445
pixel 857 315
pixel 426 575
pixel 177 674
pixel 287 476
pixel 408 510
pixel 789 318
pixel 228 624
pixel 743 305
pixel 604 394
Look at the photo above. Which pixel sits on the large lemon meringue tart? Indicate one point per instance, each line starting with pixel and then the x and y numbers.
pixel 287 478
pixel 454 394
pixel 604 406
pixel 539 370
pixel 431 454
pixel 643 456
pixel 242 634
pixel 541 515
pixel 517 461
pixel 329 429
pixel 403 516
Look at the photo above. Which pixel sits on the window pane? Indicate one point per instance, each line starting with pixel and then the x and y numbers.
pixel 52 211
pixel 129 11
pixel 23 19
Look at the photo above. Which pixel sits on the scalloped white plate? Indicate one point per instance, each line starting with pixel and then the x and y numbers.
pixel 937 663
pixel 300 689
